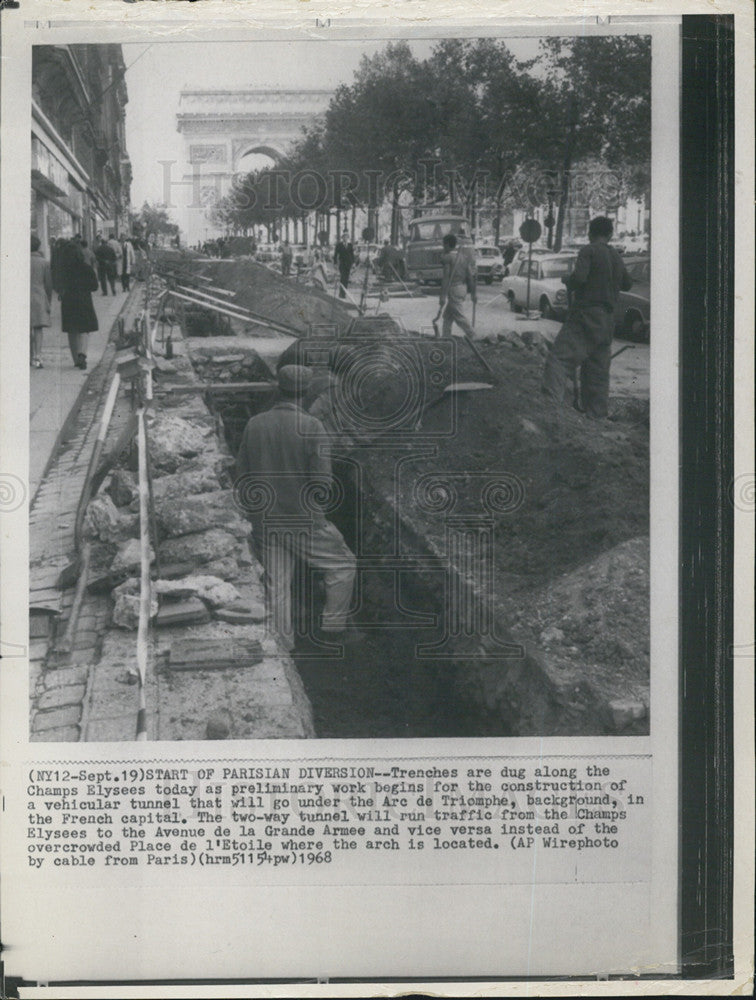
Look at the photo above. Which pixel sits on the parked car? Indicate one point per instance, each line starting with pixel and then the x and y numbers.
pixel 490 264
pixel 425 244
pixel 634 307
pixel 547 292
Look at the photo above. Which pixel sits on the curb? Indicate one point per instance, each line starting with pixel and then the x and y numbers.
pixel 73 413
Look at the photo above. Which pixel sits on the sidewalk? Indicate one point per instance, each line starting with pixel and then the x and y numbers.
pixel 56 387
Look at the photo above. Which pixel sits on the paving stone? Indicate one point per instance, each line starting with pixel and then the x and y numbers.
pixel 63 734
pixel 60 697
pixel 111 730
pixel 64 677
pixel 68 715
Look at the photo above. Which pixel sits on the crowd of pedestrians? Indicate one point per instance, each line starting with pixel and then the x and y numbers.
pixel 73 273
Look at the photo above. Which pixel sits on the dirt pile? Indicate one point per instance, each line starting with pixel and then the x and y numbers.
pixel 270 295
pixel 564 501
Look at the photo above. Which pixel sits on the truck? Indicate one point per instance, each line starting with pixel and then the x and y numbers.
pixel 424 245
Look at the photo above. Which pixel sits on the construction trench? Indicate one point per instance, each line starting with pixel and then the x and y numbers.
pixel 502 543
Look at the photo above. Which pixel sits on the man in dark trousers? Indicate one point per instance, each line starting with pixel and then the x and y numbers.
pixel 585 339
pixel 106 265
pixel 344 257
pixel 285 455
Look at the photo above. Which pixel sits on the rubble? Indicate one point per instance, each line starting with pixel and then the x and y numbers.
pixel 200 548
pixel 178 516
pixel 123 487
pixel 172 439
pixel 183 484
pixel 217 593
pixel 127 601
pixel 103 521
pixel 128 558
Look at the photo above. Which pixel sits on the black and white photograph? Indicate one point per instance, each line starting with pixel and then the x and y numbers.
pixel 370 539
pixel 340 360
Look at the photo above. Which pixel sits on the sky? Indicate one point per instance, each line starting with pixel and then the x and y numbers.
pixel 157 73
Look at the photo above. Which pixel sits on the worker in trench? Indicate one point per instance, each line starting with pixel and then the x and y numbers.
pixel 283 474
pixel 585 340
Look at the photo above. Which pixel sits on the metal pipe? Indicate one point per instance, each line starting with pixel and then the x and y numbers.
pixel 145 585
pixel 222 387
pixel 94 459
pixel 65 644
pixel 247 315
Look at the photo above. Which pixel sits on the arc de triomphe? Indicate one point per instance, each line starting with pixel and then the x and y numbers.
pixel 220 128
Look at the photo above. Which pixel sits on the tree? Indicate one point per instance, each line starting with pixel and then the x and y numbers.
pixel 152 219
pixel 596 103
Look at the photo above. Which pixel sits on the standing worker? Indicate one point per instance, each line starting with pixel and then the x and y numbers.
pixel 344 257
pixel 285 452
pixel 41 295
pixel 585 339
pixel 458 278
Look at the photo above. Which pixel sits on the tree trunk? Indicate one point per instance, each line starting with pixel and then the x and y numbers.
pixel 565 185
pixel 395 215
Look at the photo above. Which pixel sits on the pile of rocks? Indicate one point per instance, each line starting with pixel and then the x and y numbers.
pixel 201 538
pixel 229 365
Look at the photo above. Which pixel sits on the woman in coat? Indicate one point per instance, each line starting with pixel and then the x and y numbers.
pixel 78 317
pixel 41 294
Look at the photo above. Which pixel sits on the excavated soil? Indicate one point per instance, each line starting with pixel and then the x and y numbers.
pixel 268 294
pixel 570 555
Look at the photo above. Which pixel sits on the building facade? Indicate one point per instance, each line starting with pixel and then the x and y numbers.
pixel 81 172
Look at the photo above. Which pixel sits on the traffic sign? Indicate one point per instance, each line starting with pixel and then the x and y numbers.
pixel 530 230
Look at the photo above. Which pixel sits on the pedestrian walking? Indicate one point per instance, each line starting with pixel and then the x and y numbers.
pixel 78 317
pixel 287 256
pixel 88 254
pixel 584 341
pixel 285 453
pixel 40 298
pixel 127 263
pixel 57 281
pixel 106 265
pixel 344 256
pixel 458 278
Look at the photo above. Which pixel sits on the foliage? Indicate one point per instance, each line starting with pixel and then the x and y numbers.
pixel 152 219
pixel 468 123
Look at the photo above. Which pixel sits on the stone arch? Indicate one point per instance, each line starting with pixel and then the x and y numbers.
pixel 244 148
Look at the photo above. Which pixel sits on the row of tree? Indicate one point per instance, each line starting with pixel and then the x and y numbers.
pixel 469 126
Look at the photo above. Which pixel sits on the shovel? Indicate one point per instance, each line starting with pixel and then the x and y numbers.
pixel 450 390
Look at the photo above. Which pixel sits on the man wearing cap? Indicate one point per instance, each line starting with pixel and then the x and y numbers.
pixel 285 454
pixel 344 256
